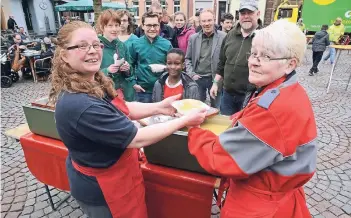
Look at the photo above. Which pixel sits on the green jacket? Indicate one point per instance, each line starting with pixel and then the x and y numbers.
pixel 233 64
pixel 121 79
pixel 143 53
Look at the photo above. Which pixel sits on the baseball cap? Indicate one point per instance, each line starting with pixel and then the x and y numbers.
pixel 251 5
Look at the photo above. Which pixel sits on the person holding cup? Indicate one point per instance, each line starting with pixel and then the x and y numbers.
pixel 115 54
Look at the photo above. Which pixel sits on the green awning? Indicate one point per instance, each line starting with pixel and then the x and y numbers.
pixel 87 6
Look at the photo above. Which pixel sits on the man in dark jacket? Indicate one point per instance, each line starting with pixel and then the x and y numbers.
pixel 233 65
pixel 320 42
pixel 166 31
pixel 11 23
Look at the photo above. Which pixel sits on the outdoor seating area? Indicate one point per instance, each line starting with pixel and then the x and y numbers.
pixel 31 60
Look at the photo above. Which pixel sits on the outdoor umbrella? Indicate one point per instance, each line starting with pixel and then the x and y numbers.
pixel 87 6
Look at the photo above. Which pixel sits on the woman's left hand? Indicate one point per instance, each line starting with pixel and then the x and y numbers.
pixel 165 107
pixel 125 66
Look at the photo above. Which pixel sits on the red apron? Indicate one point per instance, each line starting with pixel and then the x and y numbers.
pixel 122 184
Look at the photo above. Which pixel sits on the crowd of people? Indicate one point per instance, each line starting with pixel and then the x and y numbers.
pixel 106 77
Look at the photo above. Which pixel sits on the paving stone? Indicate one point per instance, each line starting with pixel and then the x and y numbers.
pixel 13 214
pixel 337 203
pixel 17 207
pixel 28 210
pixel 342 198
pixel 328 214
pixel 48 210
pixel 76 213
pixel 30 202
pixel 20 198
pixel 7 200
pixel 5 207
pixel 40 205
pixel 37 214
pixel 9 193
pixel 335 210
pixel 66 210
pixel 316 197
pixel 347 209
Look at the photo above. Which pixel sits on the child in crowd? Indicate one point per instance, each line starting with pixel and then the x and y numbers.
pixel 175 81
pixel 320 42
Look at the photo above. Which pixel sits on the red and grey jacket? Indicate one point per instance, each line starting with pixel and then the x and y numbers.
pixel 268 154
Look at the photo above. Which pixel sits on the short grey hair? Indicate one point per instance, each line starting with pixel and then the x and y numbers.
pixel 284 38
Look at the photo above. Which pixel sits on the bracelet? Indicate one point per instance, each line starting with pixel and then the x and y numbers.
pixel 215 81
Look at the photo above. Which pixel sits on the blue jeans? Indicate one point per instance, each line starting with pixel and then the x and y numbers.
pixel 205 85
pixel 231 103
pixel 144 97
pixel 331 55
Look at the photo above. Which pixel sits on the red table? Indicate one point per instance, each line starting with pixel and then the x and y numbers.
pixel 170 193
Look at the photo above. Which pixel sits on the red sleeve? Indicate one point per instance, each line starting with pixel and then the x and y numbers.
pixel 211 155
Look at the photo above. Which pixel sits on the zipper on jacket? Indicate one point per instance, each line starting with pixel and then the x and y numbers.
pixel 236 60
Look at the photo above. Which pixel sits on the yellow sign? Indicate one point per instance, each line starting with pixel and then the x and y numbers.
pixel 323 2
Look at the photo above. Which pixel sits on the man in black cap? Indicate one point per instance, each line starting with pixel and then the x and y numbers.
pixel 233 65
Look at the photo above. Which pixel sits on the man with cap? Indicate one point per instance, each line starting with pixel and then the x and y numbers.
pixel 233 66
pixel 335 31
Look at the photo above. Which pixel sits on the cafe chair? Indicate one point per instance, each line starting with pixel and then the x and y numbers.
pixel 43 67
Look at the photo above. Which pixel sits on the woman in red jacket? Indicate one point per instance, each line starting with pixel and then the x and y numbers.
pixel 270 151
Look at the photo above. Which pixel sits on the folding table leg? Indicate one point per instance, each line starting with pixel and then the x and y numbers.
pixel 338 53
pixel 50 199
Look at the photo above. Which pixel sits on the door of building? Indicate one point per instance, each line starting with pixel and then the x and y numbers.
pixel 27 14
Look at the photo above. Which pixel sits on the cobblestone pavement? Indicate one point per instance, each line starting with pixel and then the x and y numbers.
pixel 328 193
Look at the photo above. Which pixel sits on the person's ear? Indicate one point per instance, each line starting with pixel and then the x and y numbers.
pixel 292 64
pixel 183 66
pixel 63 55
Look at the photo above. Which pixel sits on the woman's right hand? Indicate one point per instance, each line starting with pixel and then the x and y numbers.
pixel 113 68
pixel 195 117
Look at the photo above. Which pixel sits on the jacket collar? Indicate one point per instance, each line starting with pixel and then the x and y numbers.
pixel 148 41
pixel 107 43
pixel 237 30
pixel 186 79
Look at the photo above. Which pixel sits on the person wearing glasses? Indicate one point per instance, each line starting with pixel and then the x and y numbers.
pixel 95 125
pixel 126 35
pixel 269 152
pixel 115 61
pixel 232 67
pixel 149 49
pixel 165 30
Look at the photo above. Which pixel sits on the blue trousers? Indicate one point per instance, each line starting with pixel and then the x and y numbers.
pixel 231 103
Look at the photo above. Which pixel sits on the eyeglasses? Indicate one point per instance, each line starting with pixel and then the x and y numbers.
pixel 86 47
pixel 264 58
pixel 149 26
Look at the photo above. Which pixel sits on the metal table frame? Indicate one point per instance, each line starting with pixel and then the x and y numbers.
pixel 339 49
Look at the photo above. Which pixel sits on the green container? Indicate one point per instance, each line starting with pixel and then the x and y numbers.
pixel 41 121
pixel 173 150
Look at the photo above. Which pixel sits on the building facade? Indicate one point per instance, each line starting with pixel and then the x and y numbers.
pixel 33 15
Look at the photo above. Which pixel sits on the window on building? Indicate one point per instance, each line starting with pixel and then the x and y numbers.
pixel 176 6
pixel 136 6
pixel 148 4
